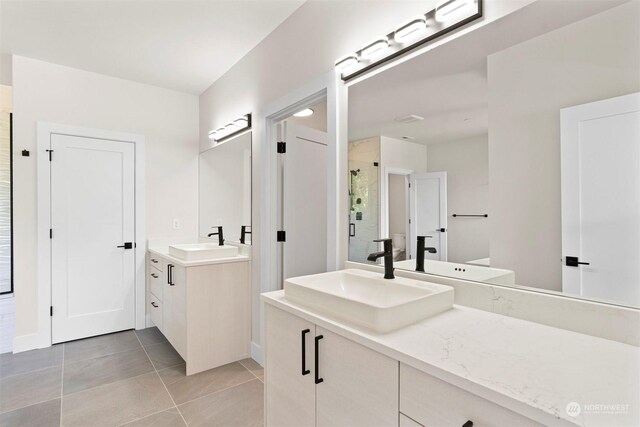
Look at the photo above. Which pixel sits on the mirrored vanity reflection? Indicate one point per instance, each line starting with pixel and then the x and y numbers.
pixel 225 190
pixel 517 158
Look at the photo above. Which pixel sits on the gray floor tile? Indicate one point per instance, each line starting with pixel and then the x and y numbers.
pixel 254 367
pixel 18 391
pixel 163 355
pixel 184 388
pixel 116 403
pixel 150 336
pixel 21 363
pixel 100 346
pixel 241 406
pixel 170 418
pixel 46 414
pixel 95 372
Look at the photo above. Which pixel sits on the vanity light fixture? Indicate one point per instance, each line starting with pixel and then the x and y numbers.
pixel 411 31
pixel 304 113
pixel 376 48
pixel 347 63
pixel 231 129
pixel 448 15
pixel 447 10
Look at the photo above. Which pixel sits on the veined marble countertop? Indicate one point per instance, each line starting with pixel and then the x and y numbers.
pixel 529 368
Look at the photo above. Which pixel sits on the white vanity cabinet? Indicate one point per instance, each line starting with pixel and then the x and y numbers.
pixel 315 377
pixel 203 310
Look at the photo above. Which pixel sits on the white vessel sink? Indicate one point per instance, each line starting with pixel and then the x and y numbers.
pixel 367 299
pixel 202 251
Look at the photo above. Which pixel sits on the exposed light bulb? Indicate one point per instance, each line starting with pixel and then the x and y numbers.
pixel 411 31
pixel 376 48
pixel 347 63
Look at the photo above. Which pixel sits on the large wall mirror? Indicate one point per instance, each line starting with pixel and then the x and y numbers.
pixel 515 151
pixel 225 189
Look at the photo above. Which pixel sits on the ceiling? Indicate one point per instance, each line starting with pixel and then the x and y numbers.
pixel 448 84
pixel 184 45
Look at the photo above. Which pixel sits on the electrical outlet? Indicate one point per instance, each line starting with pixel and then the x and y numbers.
pixel 176 224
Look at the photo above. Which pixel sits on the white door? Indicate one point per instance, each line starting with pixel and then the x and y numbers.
pixel 428 213
pixel 600 155
pixel 304 201
pixel 92 217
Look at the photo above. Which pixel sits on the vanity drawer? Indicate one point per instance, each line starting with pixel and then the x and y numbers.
pixel 155 311
pixel 155 283
pixel 432 402
pixel 156 262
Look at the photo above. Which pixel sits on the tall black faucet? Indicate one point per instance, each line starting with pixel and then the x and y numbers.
pixel 387 253
pixel 219 234
pixel 420 253
pixel 244 232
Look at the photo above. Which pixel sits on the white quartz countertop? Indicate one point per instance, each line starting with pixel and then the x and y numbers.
pixel 532 369
pixel 163 251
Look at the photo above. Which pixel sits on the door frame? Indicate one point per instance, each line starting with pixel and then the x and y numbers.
pixel 384 203
pixel 44 132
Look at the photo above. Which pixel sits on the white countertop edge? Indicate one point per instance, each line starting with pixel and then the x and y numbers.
pixel 503 398
pixel 183 263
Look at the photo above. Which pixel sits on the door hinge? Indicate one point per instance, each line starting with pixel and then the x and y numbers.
pixel 51 311
pixel 409 185
pixel 282 147
pixel 50 154
pixel 282 236
pixel 51 233
pixel 409 220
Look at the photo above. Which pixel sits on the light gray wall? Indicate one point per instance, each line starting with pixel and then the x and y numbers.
pixel 397 205
pixel 590 60
pixel 467 165
pixel 57 94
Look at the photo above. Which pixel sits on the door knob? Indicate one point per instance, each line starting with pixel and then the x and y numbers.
pixel 572 261
pixel 127 245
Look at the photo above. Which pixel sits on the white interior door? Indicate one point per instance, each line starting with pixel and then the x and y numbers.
pixel 428 212
pixel 304 202
pixel 600 153
pixel 92 214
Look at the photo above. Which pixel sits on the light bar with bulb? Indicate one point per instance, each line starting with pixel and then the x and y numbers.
pixel 231 129
pixel 447 16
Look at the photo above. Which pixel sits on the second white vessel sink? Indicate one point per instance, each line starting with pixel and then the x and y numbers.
pixel 367 299
pixel 202 251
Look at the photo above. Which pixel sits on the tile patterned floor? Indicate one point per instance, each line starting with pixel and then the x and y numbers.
pixel 132 378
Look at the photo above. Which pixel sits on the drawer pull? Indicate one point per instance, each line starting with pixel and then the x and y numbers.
pixel 153 260
pixel 305 371
pixel 317 350
pixel 170 275
pixel 154 275
pixel 468 424
pixel 154 304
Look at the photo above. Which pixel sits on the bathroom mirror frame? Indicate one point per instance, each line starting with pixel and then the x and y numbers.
pixel 381 175
pixel 227 142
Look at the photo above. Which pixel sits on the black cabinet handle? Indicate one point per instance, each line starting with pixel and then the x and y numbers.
pixel 317 351
pixel 154 304
pixel 154 275
pixel 170 275
pixel 153 260
pixel 468 424
pixel 305 371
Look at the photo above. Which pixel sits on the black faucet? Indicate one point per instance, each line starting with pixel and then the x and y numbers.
pixel 387 253
pixel 420 253
pixel 244 232
pixel 219 234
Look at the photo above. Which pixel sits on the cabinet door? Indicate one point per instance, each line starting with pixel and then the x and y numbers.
pixel 289 395
pixel 174 319
pixel 359 386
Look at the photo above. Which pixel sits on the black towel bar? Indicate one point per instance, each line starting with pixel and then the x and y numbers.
pixel 483 215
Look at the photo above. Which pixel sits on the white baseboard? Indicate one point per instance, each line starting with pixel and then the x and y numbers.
pixel 256 353
pixel 26 342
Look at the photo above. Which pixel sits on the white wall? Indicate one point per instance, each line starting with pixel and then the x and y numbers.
pixel 396 153
pixel 467 165
pixel 593 59
pixel 57 94
pixel 397 204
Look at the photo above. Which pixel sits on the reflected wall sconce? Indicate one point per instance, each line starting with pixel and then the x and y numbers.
pixel 447 16
pixel 230 130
